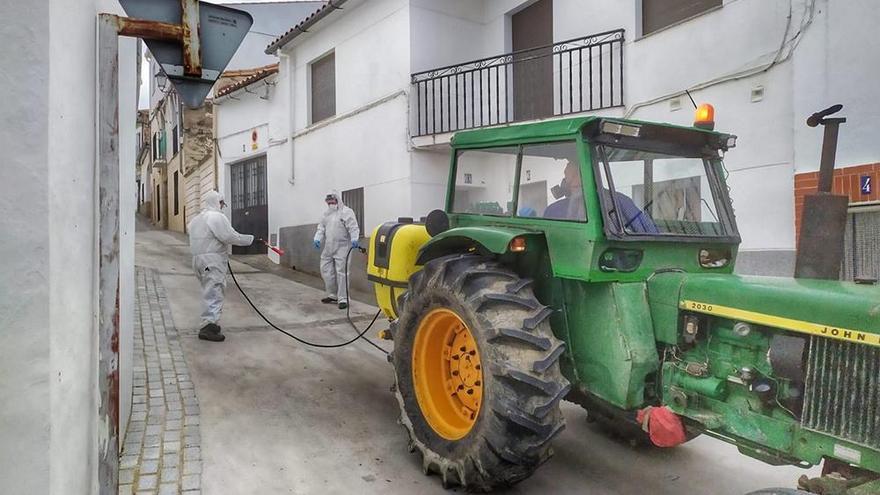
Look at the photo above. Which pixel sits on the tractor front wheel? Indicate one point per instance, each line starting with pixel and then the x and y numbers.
pixel 477 368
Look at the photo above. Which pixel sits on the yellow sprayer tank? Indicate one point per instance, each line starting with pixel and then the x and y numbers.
pixel 392 260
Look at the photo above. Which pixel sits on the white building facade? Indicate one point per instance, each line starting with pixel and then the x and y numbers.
pixel 51 432
pixel 380 136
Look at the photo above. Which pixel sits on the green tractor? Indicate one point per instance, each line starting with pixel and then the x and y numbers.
pixel 603 274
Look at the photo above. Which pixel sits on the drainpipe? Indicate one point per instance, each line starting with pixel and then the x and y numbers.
pixel 216 143
pixel 291 119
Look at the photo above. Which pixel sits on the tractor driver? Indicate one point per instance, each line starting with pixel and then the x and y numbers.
pixel 571 207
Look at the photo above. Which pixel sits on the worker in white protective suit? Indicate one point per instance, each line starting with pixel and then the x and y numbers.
pixel 337 233
pixel 210 235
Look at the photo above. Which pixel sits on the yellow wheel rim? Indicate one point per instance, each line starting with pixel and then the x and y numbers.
pixel 447 373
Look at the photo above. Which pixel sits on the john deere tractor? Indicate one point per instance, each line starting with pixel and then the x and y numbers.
pixel 591 259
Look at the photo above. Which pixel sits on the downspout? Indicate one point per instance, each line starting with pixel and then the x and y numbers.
pixel 291 119
pixel 216 145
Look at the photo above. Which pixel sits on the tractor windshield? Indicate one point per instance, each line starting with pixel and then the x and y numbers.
pixel 653 194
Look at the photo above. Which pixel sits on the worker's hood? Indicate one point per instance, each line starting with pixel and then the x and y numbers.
pixel 212 200
pixel 823 307
pixel 338 197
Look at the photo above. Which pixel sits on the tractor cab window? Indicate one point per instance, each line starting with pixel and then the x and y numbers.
pixel 550 183
pixel 484 181
pixel 654 194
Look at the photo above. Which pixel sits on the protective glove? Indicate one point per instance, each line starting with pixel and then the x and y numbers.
pixel 317 244
pixel 257 240
pixel 354 244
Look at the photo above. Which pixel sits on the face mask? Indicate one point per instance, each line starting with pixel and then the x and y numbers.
pixel 333 207
pixel 561 190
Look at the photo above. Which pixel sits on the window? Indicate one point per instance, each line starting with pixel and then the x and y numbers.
pixel 176 194
pixel 659 194
pixel 175 142
pixel 323 88
pixel 492 173
pixel 550 183
pixel 658 14
pixel 162 145
pixel 249 183
pixel 155 146
pixel 354 199
pixel 158 207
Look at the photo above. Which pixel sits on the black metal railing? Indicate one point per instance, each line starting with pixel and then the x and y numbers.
pixel 577 75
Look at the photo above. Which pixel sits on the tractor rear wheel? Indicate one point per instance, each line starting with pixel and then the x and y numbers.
pixel 477 369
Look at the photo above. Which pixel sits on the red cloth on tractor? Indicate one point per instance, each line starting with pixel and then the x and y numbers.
pixel 664 427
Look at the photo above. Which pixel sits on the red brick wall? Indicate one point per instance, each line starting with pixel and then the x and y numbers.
pixel 846 182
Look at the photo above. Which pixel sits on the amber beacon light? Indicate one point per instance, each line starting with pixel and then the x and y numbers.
pixel 704 117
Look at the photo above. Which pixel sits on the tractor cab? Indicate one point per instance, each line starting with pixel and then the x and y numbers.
pixel 631 197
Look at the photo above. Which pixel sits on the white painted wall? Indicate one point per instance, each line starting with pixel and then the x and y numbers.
pixel 48 345
pixel 128 96
pixel 446 33
pixel 837 62
pixel 365 144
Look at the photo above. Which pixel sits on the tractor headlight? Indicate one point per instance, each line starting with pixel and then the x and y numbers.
pixel 621 129
pixel 742 329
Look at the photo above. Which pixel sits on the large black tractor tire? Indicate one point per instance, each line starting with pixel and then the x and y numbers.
pixel 521 383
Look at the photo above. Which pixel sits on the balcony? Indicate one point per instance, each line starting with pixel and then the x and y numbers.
pixel 574 76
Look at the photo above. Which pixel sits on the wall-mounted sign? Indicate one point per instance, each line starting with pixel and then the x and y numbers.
pixel 866 184
pixel 254 145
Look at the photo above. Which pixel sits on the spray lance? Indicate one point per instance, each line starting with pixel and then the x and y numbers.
pixel 278 250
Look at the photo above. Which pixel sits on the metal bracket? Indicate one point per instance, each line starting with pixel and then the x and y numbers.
pixel 186 33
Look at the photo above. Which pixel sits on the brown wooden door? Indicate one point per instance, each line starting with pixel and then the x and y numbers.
pixel 532 27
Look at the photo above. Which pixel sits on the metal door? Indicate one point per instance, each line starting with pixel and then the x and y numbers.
pixel 249 202
pixel 861 257
pixel 531 28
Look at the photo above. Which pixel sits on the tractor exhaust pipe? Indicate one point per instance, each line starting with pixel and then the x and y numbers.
pixel 823 222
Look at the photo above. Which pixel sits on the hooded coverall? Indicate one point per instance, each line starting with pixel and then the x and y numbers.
pixel 210 235
pixel 336 231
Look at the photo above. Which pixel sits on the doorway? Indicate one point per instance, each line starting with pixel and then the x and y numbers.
pixel 250 202
pixel 531 35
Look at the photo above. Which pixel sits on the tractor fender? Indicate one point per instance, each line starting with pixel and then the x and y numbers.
pixel 484 240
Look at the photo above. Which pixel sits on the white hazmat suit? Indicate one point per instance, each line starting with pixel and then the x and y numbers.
pixel 210 235
pixel 337 231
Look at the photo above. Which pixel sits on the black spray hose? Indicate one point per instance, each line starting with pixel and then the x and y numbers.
pixel 360 334
pixel 348 306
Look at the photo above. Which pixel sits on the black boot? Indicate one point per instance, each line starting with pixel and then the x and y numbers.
pixel 343 305
pixel 328 300
pixel 211 332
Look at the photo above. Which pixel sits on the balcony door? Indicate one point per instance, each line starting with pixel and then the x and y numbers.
pixel 531 28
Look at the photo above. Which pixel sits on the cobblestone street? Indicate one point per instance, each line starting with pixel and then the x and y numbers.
pixel 162 449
